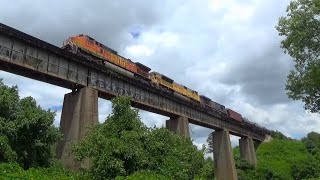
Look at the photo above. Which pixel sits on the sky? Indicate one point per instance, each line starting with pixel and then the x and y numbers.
pixel 227 50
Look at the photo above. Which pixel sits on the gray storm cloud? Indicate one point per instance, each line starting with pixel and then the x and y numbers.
pixel 107 21
pixel 262 77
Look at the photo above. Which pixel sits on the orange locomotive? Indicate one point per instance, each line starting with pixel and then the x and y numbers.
pixel 85 44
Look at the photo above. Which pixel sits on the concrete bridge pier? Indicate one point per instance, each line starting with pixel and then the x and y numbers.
pixel 224 165
pixel 80 110
pixel 179 125
pixel 247 150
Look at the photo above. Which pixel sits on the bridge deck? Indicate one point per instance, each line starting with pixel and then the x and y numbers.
pixel 30 57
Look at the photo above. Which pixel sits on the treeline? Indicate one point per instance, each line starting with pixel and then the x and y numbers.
pixel 284 158
pixel 124 148
pixel 26 130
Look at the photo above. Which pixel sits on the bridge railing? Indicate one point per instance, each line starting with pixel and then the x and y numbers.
pixel 75 71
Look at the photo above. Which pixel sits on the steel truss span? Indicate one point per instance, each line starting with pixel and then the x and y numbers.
pixel 27 56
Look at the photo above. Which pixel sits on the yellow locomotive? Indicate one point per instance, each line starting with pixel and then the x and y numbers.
pixel 160 79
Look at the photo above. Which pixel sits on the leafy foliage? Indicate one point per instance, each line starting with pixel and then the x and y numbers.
pixel 124 148
pixel 142 175
pixel 6 152
pixel 312 143
pixel 122 145
pixel 14 171
pixel 280 159
pixel 172 155
pixel 278 135
pixel 210 143
pixel 26 130
pixel 302 42
pixel 116 147
pixel 207 171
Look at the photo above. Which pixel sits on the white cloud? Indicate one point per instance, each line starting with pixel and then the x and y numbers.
pixel 139 50
pixel 151 119
pixel 104 109
pixel 57 118
pixel 46 95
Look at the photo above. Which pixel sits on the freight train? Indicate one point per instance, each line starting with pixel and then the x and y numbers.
pixel 91 49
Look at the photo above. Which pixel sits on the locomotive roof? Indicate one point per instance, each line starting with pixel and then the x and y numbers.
pixel 146 68
pixel 100 44
pixel 205 97
pixel 163 77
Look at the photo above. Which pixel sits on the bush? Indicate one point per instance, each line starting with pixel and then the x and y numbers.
pixel 14 171
pixel 123 145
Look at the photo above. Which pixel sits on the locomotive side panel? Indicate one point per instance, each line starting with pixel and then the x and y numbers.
pixel 99 50
pixel 194 95
pixel 158 79
pixel 179 89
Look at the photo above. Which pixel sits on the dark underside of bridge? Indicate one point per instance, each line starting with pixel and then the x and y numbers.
pixel 39 76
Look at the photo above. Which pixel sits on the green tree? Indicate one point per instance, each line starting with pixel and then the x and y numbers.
pixel 303 169
pixel 142 175
pixel 173 155
pixel 207 171
pixel 14 171
pixel 302 42
pixel 123 145
pixel 278 135
pixel 26 129
pixel 312 143
pixel 6 152
pixel 115 147
pixel 210 143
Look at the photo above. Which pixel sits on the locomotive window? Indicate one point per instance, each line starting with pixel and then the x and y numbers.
pixel 90 41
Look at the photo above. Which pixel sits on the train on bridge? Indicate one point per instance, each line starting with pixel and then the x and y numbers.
pixel 93 50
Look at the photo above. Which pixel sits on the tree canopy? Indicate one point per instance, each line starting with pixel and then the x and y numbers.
pixel 123 145
pixel 301 29
pixel 124 148
pixel 26 130
pixel 210 143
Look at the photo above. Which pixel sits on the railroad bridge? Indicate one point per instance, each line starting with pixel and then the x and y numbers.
pixel 28 56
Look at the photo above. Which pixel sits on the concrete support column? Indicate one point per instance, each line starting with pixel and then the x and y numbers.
pixel 179 125
pixel 247 150
pixel 224 165
pixel 80 110
pixel 267 138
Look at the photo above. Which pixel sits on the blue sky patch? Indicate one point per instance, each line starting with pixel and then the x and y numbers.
pixel 136 32
pixel 56 108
